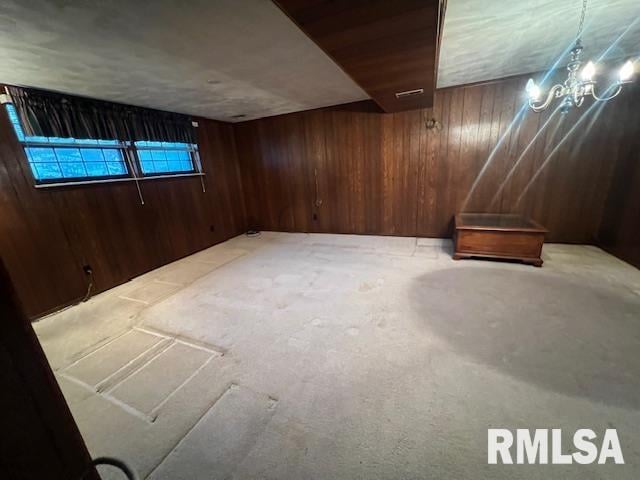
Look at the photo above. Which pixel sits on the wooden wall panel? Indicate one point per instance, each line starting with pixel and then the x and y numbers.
pixel 33 241
pixel 345 169
pixel 619 231
pixel 39 436
pixel 388 174
pixel 47 235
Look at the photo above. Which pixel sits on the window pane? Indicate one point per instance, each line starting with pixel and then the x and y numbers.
pixel 112 155
pixel 36 139
pixel 58 139
pixel 13 117
pixel 173 154
pixel 147 167
pixel 148 144
pixel 158 155
pixel 174 166
pixel 92 155
pixel 73 170
pixel 47 171
pixel 160 167
pixel 97 169
pixel 173 158
pixel 116 168
pixel 68 155
pixel 39 154
pixel 144 155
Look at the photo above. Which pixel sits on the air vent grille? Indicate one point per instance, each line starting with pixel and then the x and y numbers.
pixel 410 93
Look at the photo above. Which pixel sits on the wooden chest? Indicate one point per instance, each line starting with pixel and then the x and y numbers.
pixel 504 236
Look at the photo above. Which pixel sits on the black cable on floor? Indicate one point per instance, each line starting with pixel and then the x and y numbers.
pixel 89 287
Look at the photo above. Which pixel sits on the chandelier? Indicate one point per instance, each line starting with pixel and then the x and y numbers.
pixel 574 89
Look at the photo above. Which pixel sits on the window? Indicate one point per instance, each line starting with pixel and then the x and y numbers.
pixel 55 159
pixel 157 158
pixel 65 160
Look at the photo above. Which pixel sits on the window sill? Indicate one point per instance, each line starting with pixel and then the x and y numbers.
pixel 118 180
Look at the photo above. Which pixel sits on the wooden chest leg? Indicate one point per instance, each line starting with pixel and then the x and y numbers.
pixel 536 262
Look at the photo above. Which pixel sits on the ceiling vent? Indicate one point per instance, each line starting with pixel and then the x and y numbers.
pixel 410 93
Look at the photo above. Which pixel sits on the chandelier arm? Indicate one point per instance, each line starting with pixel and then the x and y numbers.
pixel 604 99
pixel 553 93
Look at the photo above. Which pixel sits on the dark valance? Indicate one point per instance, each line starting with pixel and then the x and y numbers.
pixel 48 114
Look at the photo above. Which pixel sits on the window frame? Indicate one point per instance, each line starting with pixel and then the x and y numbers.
pixel 191 149
pixel 128 151
pixel 121 146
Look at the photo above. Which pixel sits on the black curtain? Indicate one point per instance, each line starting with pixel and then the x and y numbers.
pixel 49 114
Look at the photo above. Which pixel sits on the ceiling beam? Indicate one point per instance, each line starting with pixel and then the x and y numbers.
pixel 386 47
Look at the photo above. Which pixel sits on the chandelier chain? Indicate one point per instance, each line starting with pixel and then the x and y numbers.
pixel 582 15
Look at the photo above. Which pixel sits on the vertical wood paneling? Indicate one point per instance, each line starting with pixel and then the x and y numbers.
pixel 47 235
pixel 375 173
pixel 33 241
pixel 387 177
pixel 373 161
pixel 387 174
pixel 314 158
pixel 619 231
pixel 40 437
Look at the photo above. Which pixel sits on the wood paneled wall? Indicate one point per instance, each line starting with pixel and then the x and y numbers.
pixel 39 436
pixel 47 235
pixel 345 169
pixel 351 169
pixel 620 227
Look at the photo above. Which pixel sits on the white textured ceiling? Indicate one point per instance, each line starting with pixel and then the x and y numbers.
pixel 213 58
pixel 489 39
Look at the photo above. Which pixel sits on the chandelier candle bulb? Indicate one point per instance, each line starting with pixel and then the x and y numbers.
pixel 532 90
pixel 588 71
pixel 626 72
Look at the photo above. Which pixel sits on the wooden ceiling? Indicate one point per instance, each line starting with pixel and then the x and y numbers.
pixel 387 47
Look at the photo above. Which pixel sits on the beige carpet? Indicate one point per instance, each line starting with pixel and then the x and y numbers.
pixel 292 356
